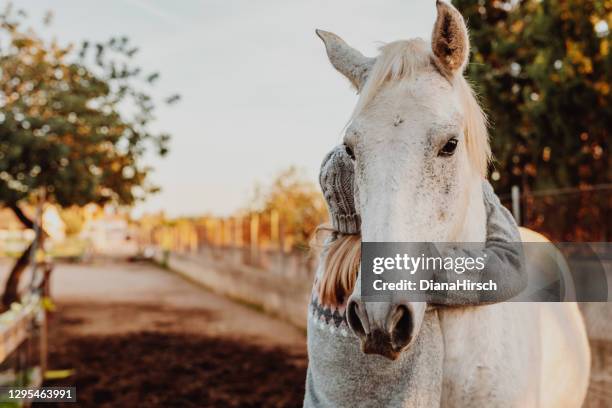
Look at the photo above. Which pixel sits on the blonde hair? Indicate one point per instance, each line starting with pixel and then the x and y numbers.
pixel 342 254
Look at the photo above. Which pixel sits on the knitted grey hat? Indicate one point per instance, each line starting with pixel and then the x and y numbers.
pixel 337 179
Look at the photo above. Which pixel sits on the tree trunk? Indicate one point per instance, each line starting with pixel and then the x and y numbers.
pixel 11 288
pixel 28 223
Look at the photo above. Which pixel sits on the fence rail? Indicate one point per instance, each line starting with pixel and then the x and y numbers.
pixel 23 328
pixel 245 239
pixel 565 214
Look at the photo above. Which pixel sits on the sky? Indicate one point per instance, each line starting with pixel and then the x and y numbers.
pixel 257 92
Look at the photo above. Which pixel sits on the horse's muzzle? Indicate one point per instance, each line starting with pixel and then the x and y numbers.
pixel 388 339
pixel 379 342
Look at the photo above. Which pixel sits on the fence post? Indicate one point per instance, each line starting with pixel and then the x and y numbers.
pixel 516 203
pixel 274 230
pixel 254 237
pixel 238 232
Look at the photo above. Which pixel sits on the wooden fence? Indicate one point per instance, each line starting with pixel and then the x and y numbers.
pixel 23 327
pixel 244 239
pixel 577 214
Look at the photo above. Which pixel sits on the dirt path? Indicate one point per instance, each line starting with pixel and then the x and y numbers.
pixel 140 336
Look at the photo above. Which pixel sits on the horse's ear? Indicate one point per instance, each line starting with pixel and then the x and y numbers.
pixel 347 60
pixel 449 41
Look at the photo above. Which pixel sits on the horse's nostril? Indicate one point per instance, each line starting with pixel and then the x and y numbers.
pixel 401 332
pixel 354 320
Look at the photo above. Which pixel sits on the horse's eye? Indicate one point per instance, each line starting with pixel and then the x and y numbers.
pixel 349 151
pixel 449 148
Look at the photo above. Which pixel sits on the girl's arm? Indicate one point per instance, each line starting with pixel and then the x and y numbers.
pixel 504 260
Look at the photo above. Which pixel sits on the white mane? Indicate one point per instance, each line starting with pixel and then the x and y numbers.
pixel 403 60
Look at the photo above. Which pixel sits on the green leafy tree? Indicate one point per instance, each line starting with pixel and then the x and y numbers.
pixel 543 69
pixel 74 124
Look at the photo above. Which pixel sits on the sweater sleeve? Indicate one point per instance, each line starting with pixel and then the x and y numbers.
pixel 504 260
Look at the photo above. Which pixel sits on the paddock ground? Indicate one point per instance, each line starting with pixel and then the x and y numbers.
pixel 139 336
pixel 136 335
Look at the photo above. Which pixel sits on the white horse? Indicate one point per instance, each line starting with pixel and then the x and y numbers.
pixel 420 146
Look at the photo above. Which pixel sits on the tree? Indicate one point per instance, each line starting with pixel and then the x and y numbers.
pixel 298 203
pixel 74 124
pixel 543 69
pixel 73 220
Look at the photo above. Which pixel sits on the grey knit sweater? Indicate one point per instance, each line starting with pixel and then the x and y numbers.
pixel 340 375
